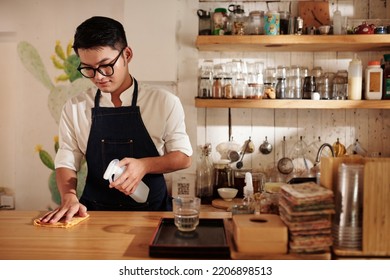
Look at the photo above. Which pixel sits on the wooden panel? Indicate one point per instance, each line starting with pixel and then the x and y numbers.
pixel 376 196
pixel 376 209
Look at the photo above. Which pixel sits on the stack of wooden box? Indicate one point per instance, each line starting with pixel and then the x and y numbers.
pixel 260 234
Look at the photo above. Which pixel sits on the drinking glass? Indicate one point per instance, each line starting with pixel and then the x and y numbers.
pixel 186 212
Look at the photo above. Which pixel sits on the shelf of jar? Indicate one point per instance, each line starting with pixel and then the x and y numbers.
pixel 294 43
pixel 291 104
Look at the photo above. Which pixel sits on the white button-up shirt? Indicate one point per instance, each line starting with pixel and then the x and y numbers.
pixel 161 112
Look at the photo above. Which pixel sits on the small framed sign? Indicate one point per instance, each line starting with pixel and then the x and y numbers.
pixel 183 184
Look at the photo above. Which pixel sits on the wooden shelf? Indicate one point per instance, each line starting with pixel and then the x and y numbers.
pixel 295 43
pixel 292 104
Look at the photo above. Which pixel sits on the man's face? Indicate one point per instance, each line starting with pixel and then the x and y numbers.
pixel 109 67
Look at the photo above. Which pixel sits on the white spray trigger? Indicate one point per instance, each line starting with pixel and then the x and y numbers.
pixel 248 189
pixel 113 171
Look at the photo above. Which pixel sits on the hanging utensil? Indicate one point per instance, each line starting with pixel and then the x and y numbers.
pixel 266 147
pixel 285 164
pixel 240 164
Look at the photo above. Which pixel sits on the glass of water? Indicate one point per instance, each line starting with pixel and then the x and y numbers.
pixel 186 211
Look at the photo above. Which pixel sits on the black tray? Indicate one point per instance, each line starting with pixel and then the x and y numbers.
pixel 207 241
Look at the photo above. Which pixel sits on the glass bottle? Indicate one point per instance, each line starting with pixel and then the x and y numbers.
pixel 355 72
pixel 280 88
pixel 204 175
pixel 386 78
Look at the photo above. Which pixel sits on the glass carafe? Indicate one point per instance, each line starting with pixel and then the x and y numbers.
pixel 204 175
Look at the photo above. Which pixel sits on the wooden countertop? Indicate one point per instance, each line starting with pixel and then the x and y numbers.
pixel 104 236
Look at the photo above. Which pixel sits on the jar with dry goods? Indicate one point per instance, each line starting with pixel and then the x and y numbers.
pixel 217 87
pixel 220 21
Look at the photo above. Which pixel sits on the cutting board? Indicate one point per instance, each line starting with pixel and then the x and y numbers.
pixel 314 13
pixel 226 205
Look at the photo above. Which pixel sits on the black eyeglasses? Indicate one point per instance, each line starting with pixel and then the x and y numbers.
pixel 104 69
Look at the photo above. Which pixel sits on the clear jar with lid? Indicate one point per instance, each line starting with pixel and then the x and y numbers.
pixel 238 19
pixel 240 88
pixel 255 91
pixel 269 91
pixel 340 85
pixel 220 21
pixel 228 87
pixel 374 80
pixel 255 24
pixel 205 87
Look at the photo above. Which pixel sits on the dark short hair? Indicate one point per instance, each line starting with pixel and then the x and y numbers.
pixel 98 32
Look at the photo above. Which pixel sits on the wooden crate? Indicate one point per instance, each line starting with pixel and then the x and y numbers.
pixel 376 201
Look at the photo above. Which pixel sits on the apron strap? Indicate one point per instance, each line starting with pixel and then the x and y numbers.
pixel 135 93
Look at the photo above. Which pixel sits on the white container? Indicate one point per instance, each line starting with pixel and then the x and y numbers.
pixel 337 22
pixel 355 79
pixel 374 78
pixel 112 173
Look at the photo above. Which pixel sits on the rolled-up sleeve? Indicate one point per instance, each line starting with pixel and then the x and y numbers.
pixel 73 135
pixel 176 137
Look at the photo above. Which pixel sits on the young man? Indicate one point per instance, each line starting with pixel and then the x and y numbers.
pixel 143 127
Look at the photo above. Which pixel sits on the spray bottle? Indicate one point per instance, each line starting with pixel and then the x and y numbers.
pixel 248 192
pixel 113 172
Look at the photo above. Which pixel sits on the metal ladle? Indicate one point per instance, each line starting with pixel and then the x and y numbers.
pixel 285 164
pixel 266 147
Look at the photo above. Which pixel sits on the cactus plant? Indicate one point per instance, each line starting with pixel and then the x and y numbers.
pixel 59 94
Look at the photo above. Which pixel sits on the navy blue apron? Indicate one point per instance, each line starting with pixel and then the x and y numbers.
pixel 116 133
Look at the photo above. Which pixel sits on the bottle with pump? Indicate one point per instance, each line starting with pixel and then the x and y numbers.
pixel 355 79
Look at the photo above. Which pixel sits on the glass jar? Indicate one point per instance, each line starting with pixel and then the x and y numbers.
pixel 255 24
pixel 228 87
pixel 222 176
pixel 238 19
pixel 205 87
pixel 217 87
pixel 284 21
pixel 204 22
pixel 240 88
pixel 220 21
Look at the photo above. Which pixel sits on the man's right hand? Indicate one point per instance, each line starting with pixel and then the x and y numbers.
pixel 69 208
